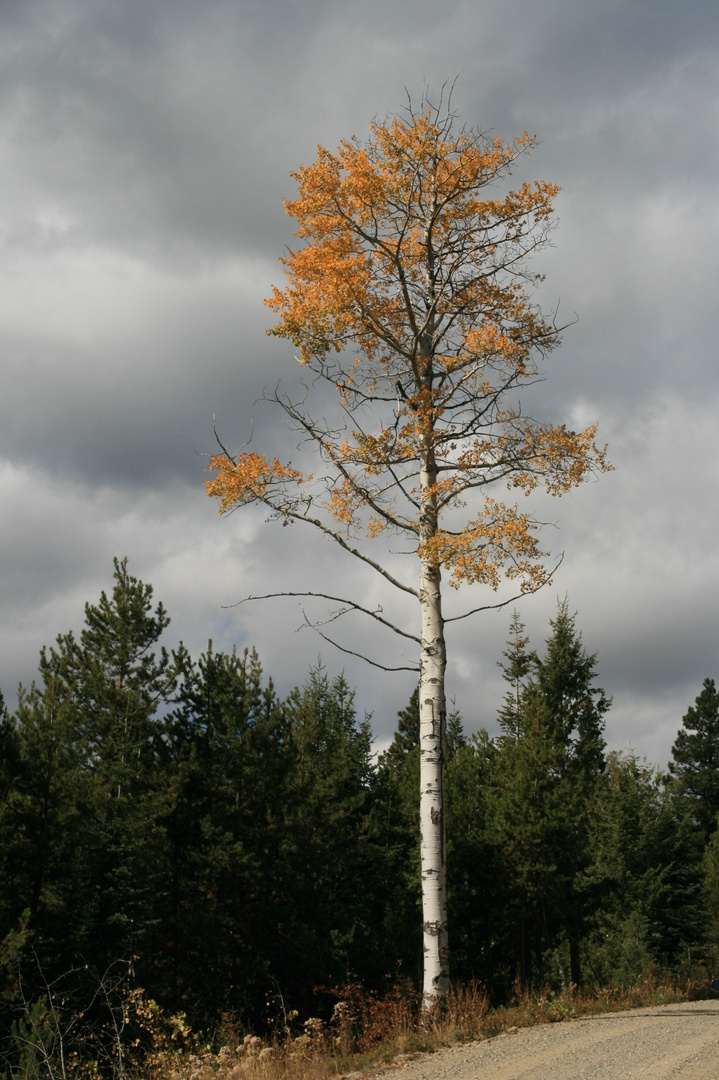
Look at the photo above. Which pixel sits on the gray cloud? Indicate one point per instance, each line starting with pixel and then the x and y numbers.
pixel 146 152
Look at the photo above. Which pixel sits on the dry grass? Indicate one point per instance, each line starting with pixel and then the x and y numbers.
pixel 368 1031
pixel 137 1041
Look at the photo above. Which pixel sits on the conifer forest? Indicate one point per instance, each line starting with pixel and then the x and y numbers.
pixel 236 854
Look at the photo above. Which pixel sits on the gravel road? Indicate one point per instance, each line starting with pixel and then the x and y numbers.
pixel 677 1041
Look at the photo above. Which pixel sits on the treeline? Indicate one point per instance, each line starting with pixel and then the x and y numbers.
pixel 245 855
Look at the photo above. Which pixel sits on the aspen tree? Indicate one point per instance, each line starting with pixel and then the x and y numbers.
pixel 410 297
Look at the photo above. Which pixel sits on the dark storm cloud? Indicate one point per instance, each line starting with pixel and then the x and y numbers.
pixel 155 127
pixel 146 151
pixel 118 380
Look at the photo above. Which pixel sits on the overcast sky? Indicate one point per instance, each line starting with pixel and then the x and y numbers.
pixel 146 150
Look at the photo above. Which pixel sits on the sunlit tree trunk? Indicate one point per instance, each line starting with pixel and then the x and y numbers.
pixel 433 717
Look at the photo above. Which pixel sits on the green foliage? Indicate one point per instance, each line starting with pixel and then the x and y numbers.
pixel 89 1025
pixel 44 813
pixel 515 671
pixel 710 898
pixel 327 861
pixel 245 857
pixel 225 760
pixel 396 830
pixel 695 760
pixel 110 686
pixel 474 868
pixel 645 871
pixel 549 760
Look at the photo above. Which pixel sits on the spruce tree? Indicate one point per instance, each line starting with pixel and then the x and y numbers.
pixel 549 761
pixel 328 856
pixel 112 686
pixel 695 760
pixel 396 830
pixel 474 872
pixel 217 934
pixel 43 818
pixel 515 671
pixel 645 875
pixel 82 796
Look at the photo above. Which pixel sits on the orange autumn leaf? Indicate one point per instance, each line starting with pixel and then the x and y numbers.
pixel 247 478
pixel 409 294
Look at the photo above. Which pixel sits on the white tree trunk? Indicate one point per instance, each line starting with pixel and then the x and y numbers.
pixel 432 722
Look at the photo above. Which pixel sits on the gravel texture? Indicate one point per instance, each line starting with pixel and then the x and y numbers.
pixel 677 1041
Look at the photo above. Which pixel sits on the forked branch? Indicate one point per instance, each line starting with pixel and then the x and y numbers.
pixel 350 605
pixel 512 599
pixel 361 656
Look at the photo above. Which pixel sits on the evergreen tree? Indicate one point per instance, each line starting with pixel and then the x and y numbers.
pixel 114 679
pixel 710 898
pixel 9 752
pixel 82 848
pixel 328 862
pixel 42 817
pixel 548 764
pixel 276 866
pixel 406 736
pixel 396 829
pixel 110 686
pixel 515 671
pixel 474 871
pixel 644 873
pixel 695 760
pixel 562 686
pixel 229 760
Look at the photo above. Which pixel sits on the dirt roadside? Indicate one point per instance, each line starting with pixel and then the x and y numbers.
pixel 680 1042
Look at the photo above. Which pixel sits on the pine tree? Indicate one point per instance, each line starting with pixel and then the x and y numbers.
pixel 81 794
pixel 695 760
pixel 111 687
pixel 328 863
pixel 515 672
pixel 114 679
pixel 710 897
pixel 563 685
pixel 550 758
pixel 396 830
pixel 645 875
pixel 406 735
pixel 43 816
pixel 229 761
pixel 474 872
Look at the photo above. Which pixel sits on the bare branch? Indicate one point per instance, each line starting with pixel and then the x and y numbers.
pixel 338 538
pixel 351 652
pixel 222 446
pixel 337 600
pixel 503 603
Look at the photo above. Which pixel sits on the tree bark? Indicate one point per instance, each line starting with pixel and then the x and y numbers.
pixel 432 717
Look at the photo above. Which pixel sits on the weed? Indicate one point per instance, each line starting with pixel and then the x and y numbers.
pixel 365 1030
